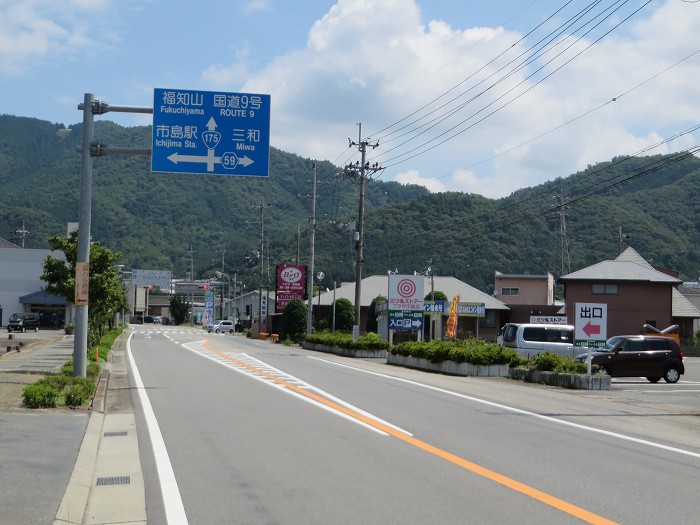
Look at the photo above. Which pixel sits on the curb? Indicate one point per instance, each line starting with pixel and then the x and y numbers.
pixel 74 504
pixel 107 483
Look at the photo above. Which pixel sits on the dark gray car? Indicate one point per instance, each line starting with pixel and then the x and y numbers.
pixel 650 356
pixel 23 322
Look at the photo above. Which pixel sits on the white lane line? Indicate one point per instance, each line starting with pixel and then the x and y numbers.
pixel 172 500
pixel 520 411
pixel 260 366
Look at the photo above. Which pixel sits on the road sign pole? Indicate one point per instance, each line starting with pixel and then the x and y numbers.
pixel 83 250
pixel 88 149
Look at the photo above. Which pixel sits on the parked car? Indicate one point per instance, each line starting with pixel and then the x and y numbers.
pixel 221 326
pixel 22 322
pixel 530 339
pixel 650 356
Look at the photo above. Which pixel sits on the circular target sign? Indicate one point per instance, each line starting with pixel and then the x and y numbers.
pixel 406 288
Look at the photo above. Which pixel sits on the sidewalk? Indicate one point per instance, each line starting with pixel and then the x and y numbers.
pixel 62 466
pixel 107 483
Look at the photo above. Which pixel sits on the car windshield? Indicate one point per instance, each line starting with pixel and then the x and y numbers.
pixel 15 317
pixel 611 342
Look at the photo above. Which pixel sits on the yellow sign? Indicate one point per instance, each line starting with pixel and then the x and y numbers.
pixel 82 282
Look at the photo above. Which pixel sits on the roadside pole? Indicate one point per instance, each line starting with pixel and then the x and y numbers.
pixel 89 149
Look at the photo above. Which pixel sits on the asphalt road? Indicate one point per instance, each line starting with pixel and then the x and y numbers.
pixel 245 431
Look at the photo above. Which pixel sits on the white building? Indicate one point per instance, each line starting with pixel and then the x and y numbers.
pixel 21 286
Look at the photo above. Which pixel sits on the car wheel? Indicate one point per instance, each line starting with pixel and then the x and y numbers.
pixel 217 330
pixel 672 375
pixel 654 379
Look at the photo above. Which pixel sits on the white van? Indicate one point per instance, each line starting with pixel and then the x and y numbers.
pixel 531 339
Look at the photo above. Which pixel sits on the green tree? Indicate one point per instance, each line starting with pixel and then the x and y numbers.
pixel 372 325
pixel 344 315
pixel 106 294
pixel 439 296
pixel 179 308
pixel 294 317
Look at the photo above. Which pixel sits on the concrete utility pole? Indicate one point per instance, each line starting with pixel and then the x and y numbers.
pixel 22 232
pixel 190 294
pixel 261 207
pixel 359 173
pixel 312 240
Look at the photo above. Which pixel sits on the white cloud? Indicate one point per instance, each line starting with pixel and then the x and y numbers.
pixel 413 177
pixel 33 30
pixel 384 64
pixel 257 5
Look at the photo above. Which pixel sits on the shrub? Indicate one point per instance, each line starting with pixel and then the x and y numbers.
pixel 369 341
pixel 549 362
pixel 78 391
pixel 344 315
pixel 40 396
pixel 57 382
pixel 294 317
pixel 474 351
pixel 93 371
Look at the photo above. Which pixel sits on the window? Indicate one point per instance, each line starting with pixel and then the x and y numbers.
pixel 510 291
pixel 538 334
pixel 658 344
pixel 633 345
pixel 604 289
pixel 489 321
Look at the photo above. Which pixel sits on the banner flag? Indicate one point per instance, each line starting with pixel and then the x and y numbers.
pixel 452 320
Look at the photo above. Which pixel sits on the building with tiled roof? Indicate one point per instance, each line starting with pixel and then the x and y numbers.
pixel 635 293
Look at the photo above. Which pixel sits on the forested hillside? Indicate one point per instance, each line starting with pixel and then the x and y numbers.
pixel 154 219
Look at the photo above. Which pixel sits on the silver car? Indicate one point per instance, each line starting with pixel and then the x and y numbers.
pixel 221 326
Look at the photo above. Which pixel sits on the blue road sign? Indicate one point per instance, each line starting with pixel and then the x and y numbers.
pixel 211 133
pixel 405 320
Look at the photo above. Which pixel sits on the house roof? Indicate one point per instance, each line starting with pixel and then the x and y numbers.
pixel 42 297
pixel 499 275
pixel 376 285
pixel 4 243
pixel 681 307
pixel 628 266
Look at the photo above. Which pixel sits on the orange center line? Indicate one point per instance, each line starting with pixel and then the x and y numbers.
pixel 538 495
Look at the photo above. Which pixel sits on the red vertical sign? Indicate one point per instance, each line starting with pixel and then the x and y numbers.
pixel 291 284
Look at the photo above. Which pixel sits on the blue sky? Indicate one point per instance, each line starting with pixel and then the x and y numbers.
pixel 455 92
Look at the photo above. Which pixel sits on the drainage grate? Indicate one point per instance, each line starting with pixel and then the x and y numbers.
pixel 114 480
pixel 115 434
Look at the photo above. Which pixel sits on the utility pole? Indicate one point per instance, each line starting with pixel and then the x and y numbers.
pixel 190 295
pixel 312 240
pixel 564 262
pixel 261 207
pixel 22 232
pixel 359 172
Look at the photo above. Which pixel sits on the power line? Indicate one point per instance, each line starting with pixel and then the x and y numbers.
pixel 455 130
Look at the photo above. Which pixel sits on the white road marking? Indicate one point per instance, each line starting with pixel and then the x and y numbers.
pixel 172 500
pixel 258 365
pixel 520 411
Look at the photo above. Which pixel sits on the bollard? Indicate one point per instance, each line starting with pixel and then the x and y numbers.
pixel 10 336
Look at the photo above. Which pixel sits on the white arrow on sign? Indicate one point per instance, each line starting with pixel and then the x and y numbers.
pixel 209 159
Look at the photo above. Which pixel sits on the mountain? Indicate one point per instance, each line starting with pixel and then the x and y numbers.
pixel 154 220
